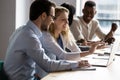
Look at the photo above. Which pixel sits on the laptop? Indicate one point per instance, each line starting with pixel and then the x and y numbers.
pixel 106 60
pixel 118 47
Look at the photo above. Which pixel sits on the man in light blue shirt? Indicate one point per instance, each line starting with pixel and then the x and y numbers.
pixel 25 50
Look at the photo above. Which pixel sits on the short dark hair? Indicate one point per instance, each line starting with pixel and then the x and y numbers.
pixel 40 6
pixel 90 4
pixel 71 9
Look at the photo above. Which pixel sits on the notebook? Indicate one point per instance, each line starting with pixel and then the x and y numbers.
pixel 106 60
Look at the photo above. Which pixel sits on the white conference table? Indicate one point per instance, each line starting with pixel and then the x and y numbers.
pixel 112 72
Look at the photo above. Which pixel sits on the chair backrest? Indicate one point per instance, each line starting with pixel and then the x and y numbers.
pixel 1 65
pixel 3 76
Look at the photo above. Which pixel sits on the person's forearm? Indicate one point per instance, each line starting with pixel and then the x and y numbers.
pixel 113 29
pixel 85 53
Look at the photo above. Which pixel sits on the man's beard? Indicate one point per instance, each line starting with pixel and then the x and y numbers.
pixel 44 27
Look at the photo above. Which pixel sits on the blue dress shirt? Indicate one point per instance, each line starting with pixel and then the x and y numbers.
pixel 59 41
pixel 25 51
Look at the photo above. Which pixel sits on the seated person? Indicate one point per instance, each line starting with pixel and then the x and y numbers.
pixel 85 28
pixel 25 49
pixel 71 9
pixel 58 38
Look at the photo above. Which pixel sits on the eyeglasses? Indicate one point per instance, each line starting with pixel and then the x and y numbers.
pixel 53 17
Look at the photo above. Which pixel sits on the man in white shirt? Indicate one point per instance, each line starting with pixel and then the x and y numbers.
pixel 85 28
pixel 25 49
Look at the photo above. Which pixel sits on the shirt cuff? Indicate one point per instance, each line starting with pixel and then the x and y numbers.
pixel 74 64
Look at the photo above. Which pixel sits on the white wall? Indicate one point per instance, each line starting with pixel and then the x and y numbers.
pixel 22 12
pixel 12 15
pixel 72 2
pixel 7 23
pixel 59 2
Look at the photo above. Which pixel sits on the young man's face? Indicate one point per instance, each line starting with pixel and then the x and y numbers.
pixel 88 13
pixel 49 19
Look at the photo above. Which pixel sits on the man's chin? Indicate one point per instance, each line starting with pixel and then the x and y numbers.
pixel 44 27
pixel 89 19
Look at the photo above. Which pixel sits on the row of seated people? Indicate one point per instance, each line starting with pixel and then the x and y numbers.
pixel 45 44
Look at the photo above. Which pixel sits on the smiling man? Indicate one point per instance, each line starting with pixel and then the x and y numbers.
pixel 25 49
pixel 85 28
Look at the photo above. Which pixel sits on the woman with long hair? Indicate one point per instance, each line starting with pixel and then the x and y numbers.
pixel 58 40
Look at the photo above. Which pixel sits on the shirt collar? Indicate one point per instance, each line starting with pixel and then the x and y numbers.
pixel 86 23
pixel 34 28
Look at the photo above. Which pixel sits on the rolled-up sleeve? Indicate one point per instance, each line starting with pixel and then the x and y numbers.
pixel 98 31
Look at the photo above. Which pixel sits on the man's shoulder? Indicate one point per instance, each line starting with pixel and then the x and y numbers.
pixel 46 34
pixel 94 20
pixel 75 20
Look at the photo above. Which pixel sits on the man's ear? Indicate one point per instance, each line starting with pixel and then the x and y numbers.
pixel 43 16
